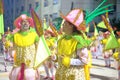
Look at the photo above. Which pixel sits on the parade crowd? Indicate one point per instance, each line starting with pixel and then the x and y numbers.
pixel 71 48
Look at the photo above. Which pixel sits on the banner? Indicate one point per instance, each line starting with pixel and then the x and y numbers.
pixel 1 24
pixel 43 52
pixel 112 42
pixel 101 25
pixel 1 7
pixel 37 22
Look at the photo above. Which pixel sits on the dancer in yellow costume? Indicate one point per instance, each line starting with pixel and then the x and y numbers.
pixel 116 56
pixel 49 64
pixel 72 48
pixel 25 44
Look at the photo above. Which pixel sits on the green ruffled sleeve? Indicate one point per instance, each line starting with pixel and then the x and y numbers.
pixel 81 41
pixel 10 37
pixel 88 41
pixel 37 37
pixel 32 29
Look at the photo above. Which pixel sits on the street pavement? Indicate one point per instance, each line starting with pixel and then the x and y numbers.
pixel 97 71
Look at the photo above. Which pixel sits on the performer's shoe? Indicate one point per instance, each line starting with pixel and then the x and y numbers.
pixel 109 66
pixel 53 78
pixel 46 77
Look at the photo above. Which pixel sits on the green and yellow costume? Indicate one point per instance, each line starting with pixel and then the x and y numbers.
pixel 67 49
pixel 24 44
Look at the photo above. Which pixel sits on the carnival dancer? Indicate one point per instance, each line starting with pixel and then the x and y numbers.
pixel 97 47
pixel 107 53
pixel 72 52
pixel 100 46
pixel 116 56
pixel 94 49
pixel 112 43
pixel 7 48
pixel 49 64
pixel 25 45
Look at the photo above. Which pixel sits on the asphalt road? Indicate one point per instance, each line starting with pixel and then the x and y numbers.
pixel 97 72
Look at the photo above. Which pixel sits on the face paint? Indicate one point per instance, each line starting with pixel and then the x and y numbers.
pixel 25 25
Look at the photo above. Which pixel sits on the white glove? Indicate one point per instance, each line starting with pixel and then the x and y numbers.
pixel 76 62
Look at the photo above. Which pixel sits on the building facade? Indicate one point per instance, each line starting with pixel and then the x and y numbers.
pixel 118 9
pixel 50 9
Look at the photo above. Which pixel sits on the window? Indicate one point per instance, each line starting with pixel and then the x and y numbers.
pixel 55 2
pixel 45 3
pixel 55 15
pixel 22 8
pixel 17 10
pixel 36 4
pixel 50 15
pixel 30 6
pixel 113 8
pixel 46 17
pixel 12 11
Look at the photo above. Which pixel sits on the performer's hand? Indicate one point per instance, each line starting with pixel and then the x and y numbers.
pixel 53 57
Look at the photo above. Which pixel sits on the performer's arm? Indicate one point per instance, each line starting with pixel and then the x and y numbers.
pixel 83 57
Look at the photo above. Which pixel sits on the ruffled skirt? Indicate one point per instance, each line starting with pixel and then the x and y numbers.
pixel 29 74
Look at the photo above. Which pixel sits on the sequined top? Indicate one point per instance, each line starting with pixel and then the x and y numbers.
pixel 24 44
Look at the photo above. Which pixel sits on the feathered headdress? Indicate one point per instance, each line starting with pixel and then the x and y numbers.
pixel 96 12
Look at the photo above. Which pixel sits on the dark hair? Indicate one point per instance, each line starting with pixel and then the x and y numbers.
pixel 75 30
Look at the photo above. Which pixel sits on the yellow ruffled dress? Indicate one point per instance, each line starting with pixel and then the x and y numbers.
pixel 24 44
pixel 116 56
pixel 67 47
pixel 25 49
